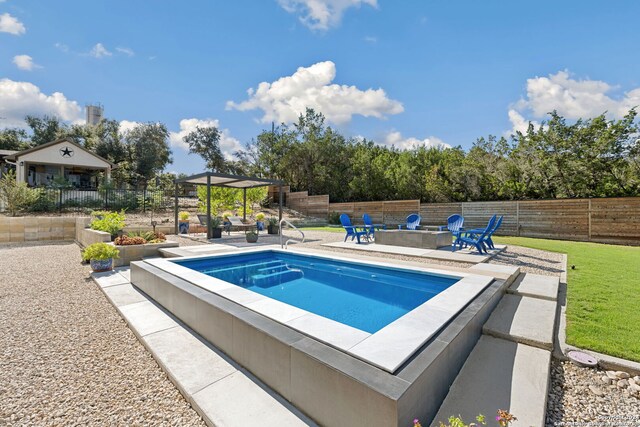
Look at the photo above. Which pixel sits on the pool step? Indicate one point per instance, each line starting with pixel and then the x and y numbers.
pixel 500 374
pixel 242 267
pixel 523 320
pixel 277 278
pixel 536 286
pixel 274 269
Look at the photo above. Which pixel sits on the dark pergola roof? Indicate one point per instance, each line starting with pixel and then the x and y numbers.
pixel 229 181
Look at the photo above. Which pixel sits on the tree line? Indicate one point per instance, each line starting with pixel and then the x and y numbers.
pixel 595 157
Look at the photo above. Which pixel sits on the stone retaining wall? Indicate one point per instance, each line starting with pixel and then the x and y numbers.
pixel 33 229
pixel 130 253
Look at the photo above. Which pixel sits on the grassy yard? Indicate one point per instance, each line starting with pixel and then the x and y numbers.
pixel 329 229
pixel 603 301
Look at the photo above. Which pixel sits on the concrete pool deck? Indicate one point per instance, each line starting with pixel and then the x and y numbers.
pixel 219 389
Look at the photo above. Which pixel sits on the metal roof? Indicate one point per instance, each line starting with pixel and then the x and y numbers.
pixel 228 181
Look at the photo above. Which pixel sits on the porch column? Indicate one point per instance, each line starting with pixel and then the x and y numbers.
pixel 107 174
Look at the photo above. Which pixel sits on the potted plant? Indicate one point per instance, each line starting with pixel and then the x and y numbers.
pixel 260 221
pixel 272 226
pixel 216 227
pixel 183 223
pixel 252 236
pixel 109 222
pixel 100 256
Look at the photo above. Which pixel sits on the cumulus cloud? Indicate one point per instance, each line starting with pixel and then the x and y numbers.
pixel 99 51
pixel 25 62
pixel 574 98
pixel 396 139
pixel 10 24
pixel 322 14
pixel 288 97
pixel 228 144
pixel 18 99
pixel 127 125
pixel 126 51
pixel 519 123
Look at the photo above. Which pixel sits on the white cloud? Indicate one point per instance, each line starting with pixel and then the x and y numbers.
pixel 125 50
pixel 127 125
pixel 25 62
pixel 288 97
pixel 99 51
pixel 11 25
pixel 228 144
pixel 322 14
pixel 396 139
pixel 519 123
pixel 18 99
pixel 574 98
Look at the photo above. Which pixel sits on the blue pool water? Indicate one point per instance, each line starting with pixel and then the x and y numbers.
pixel 365 297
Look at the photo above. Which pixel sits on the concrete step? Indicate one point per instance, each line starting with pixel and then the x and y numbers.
pixel 536 286
pixel 523 320
pixel 500 374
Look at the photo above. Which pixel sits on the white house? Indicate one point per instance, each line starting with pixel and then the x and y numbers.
pixel 41 165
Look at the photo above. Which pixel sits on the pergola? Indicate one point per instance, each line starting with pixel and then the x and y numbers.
pixel 227 181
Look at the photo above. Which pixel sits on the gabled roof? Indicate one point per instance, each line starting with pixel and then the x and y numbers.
pixel 14 156
pixel 7 152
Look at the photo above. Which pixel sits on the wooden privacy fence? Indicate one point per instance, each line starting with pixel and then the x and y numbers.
pixel 610 220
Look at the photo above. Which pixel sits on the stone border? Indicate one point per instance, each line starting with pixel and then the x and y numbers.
pixel 387 348
pixel 605 361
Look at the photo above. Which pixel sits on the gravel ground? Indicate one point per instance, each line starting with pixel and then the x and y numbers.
pixel 66 356
pixel 579 396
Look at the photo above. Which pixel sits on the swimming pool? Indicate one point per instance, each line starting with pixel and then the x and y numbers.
pixel 365 297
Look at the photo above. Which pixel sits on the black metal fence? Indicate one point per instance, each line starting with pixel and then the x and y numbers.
pixel 73 200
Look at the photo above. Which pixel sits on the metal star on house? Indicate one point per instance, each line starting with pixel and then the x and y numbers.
pixel 66 152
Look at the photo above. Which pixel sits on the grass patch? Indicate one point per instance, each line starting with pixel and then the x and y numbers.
pixel 603 295
pixel 329 229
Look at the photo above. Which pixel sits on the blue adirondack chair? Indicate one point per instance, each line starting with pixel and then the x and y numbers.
pixel 413 221
pixel 487 238
pixel 370 227
pixel 477 237
pixel 454 225
pixel 351 230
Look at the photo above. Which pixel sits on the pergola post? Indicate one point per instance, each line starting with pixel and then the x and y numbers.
pixel 280 205
pixel 208 207
pixel 244 197
pixel 176 207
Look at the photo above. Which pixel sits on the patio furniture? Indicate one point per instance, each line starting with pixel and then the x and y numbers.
pixel 477 236
pixel 370 227
pixel 352 231
pixel 413 222
pixel 454 225
pixel 235 221
pixel 495 227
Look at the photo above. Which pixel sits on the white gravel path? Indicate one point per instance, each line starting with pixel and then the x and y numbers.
pixel 66 356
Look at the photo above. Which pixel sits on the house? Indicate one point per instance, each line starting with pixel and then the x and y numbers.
pixel 62 159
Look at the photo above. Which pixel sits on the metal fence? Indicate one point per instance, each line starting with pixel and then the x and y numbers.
pixel 73 200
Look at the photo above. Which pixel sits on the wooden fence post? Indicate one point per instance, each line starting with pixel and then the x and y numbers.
pixel 517 218
pixel 589 214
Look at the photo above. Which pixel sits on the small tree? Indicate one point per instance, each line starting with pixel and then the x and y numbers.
pixel 16 196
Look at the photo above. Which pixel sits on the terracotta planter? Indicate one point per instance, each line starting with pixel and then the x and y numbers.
pixel 98 265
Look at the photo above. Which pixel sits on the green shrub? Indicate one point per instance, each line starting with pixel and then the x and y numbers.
pixel 184 216
pixel 100 251
pixel 17 196
pixel 45 201
pixel 110 222
pixel 334 218
pixel 260 216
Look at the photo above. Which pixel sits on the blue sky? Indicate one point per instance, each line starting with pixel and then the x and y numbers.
pixel 403 73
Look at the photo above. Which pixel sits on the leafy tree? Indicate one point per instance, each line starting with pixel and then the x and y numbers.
pixel 205 141
pixel 45 129
pixel 148 151
pixel 14 139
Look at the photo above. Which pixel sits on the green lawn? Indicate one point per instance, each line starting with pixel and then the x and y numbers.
pixel 329 229
pixel 603 301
